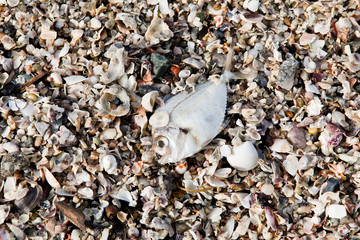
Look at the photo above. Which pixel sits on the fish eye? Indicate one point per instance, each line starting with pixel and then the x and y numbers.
pixel 162 142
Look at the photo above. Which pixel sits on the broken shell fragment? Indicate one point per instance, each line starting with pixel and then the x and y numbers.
pixel 281 146
pixel 336 211
pixel 115 101
pixel 13 3
pixel 73 214
pixel 243 157
pixel 30 201
pixel 158 30
pixel 148 100
pixel 109 164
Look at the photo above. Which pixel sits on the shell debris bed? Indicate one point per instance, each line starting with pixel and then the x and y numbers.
pixel 97 140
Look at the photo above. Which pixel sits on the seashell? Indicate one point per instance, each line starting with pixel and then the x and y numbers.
pixel 73 214
pixel 183 74
pixel 291 164
pixel 307 38
pixel 215 215
pixel 57 79
pixel 74 79
pixel 4 78
pixel 348 158
pixel 281 146
pixel 8 42
pixel 124 195
pixel 112 97
pixel 267 189
pixel 116 67
pixel 339 118
pixel 159 119
pixel 336 211
pixel 214 182
pixel 19 234
pixel 133 233
pixel 244 157
pixel 41 127
pixel 288 69
pixel 251 17
pixel 252 5
pixel 148 100
pixel 343 26
pixel 314 107
pixel 10 147
pixel 331 185
pixel 109 133
pixel 127 19
pixel 76 34
pixel 4 212
pixel 297 137
pixel 109 164
pixel 141 121
pixel 223 172
pixel 225 150
pixel 7 64
pixel 181 167
pixel 158 30
pixel 13 3
pixel 48 35
pixel 50 178
pixel 30 201
pixel 193 62
pixel 270 218
pixel 95 24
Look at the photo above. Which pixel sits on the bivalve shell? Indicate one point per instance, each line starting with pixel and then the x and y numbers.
pixel 243 157
pixel 30 201
pixel 8 42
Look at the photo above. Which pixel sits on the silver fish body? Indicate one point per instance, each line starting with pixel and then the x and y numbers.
pixel 194 119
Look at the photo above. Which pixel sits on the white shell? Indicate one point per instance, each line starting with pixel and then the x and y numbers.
pixel 109 164
pixel 76 34
pixel 116 67
pixel 13 3
pixel 50 178
pixel 48 35
pixel 281 146
pixel 244 157
pixel 159 119
pixel 336 211
pixel 148 100
pixel 111 94
pixel 10 147
pixel 95 23
pixel 158 30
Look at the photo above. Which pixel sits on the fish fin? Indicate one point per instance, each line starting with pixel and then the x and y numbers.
pixel 227 75
pixel 224 124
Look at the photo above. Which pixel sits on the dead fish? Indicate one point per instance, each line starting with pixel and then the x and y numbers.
pixel 189 121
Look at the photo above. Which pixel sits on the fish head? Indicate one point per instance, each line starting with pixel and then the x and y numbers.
pixel 168 143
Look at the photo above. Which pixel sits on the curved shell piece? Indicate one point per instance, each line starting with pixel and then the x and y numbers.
pixel 148 100
pixel 115 101
pixel 30 201
pixel 243 157
pixel 8 42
